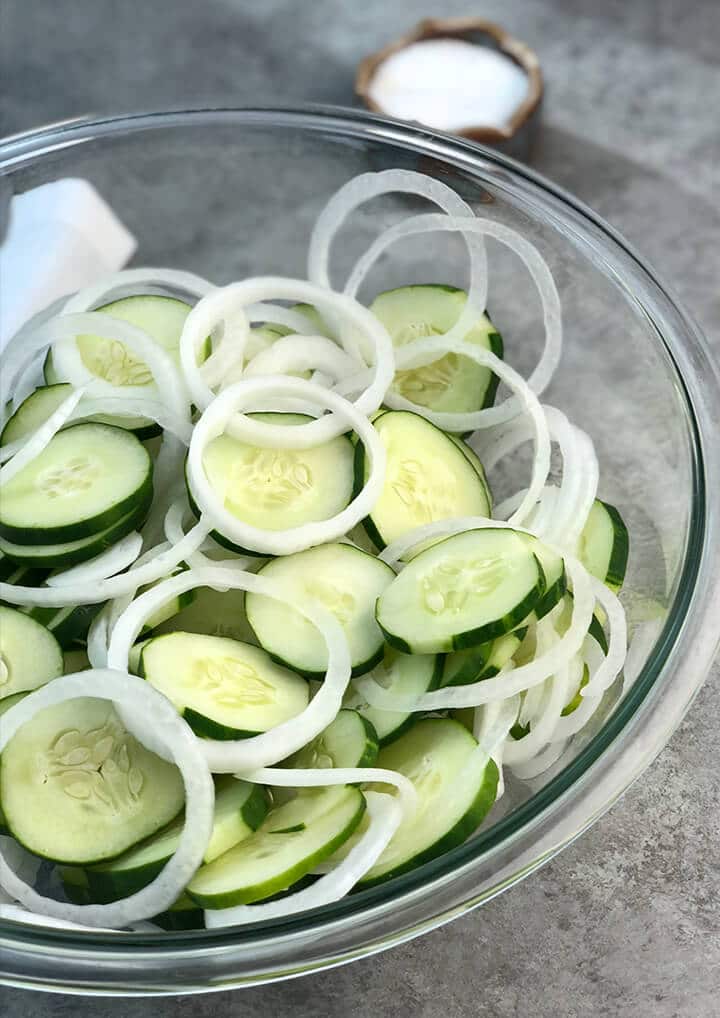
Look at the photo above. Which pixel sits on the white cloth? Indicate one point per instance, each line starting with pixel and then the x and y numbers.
pixel 62 236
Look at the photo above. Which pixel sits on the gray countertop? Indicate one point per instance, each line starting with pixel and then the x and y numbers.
pixel 625 922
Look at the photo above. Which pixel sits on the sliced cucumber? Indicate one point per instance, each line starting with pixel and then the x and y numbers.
pixel 427 478
pixel 161 318
pixel 71 625
pixel 183 915
pixel 30 655
pixel 292 840
pixel 68 553
pixel 452 383
pixel 477 663
pixel 348 741
pixel 347 582
pixel 5 704
pixel 605 544
pixel 34 411
pixel 87 478
pixel 461 592
pixel 401 675
pixel 553 566
pixel 75 884
pixel 75 660
pixel 240 808
pixel 456 786
pixel 76 787
pixel 41 403
pixel 223 688
pixel 476 463
pixel 213 613
pixel 278 488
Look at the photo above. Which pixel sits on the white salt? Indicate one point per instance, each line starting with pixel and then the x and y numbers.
pixel 449 84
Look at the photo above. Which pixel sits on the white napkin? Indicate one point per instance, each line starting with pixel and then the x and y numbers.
pixel 62 236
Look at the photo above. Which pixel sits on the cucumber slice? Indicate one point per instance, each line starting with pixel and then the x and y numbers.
pixel 401 675
pixel 477 663
pixel 75 884
pixel 5 704
pixel 605 544
pixel 70 625
pixel 456 786
pixel 240 808
pixel 476 463
pixel 292 840
pixel 34 411
pixel 461 592
pixel 223 688
pixel 161 318
pixel 30 655
pixel 279 488
pixel 183 915
pixel 75 660
pixel 348 741
pixel 68 553
pixel 212 613
pixel 553 566
pixel 347 582
pixel 427 478
pixel 39 405
pixel 452 383
pixel 76 787
pixel 87 478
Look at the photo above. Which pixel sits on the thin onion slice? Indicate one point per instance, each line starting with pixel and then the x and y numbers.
pixel 109 562
pixel 289 736
pixel 319 777
pixel 293 353
pixel 617 640
pixel 514 680
pixel 121 688
pixel 134 282
pixel 244 395
pixel 527 252
pixel 385 818
pixel 232 300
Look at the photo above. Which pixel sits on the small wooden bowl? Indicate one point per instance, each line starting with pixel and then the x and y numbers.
pixel 519 135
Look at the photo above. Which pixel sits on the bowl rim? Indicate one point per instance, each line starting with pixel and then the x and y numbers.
pixel 571 801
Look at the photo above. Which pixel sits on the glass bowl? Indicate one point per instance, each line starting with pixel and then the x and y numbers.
pixel 229 193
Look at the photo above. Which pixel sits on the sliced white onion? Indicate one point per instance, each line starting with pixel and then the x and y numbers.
pixel 534 262
pixel 115 586
pixel 41 438
pixel 231 300
pixel 124 406
pixel 244 395
pixel 168 484
pixel 97 638
pixel 286 738
pixel 109 562
pixel 121 688
pixel 319 777
pixel 574 722
pixel 617 641
pixel 291 354
pixel 168 384
pixel 141 282
pixel 385 818
pixel 371 185
pixel 540 763
pixel 544 725
pixel 289 318
pixel 514 680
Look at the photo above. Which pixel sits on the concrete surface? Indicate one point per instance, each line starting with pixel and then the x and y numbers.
pixel 625 923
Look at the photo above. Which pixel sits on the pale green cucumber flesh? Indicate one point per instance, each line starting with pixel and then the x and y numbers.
pixel 346 581
pixel 77 788
pixel 428 478
pixel 88 477
pixel 461 592
pixel 456 785
pixel 292 840
pixel 225 689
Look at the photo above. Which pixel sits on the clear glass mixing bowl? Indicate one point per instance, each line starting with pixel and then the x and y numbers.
pixel 229 193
